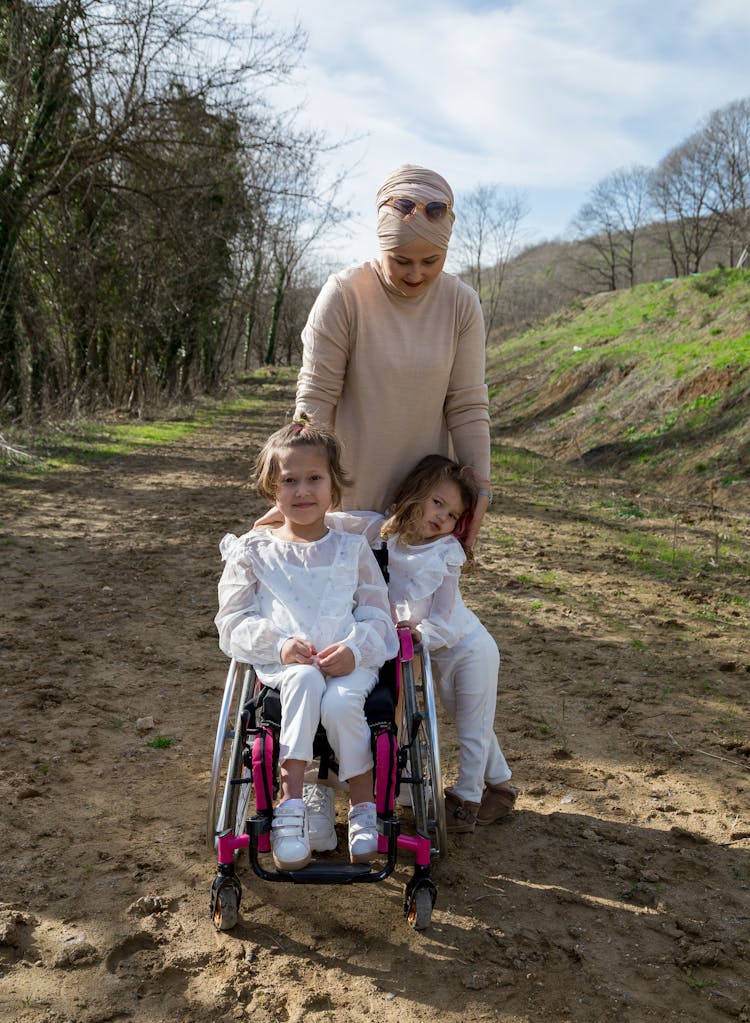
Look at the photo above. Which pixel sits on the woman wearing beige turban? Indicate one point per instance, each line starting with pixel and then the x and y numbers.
pixel 394 350
pixel 394 359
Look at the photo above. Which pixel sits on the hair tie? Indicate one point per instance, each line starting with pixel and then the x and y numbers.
pixel 300 422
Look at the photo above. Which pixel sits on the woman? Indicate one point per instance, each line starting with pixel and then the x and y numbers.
pixel 394 360
pixel 393 351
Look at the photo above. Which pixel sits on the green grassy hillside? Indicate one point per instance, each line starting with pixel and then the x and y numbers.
pixel 653 382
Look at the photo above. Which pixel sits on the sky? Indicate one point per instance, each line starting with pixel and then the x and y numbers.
pixel 542 97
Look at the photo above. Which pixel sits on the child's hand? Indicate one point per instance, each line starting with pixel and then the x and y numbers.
pixel 412 627
pixel 336 660
pixel 298 651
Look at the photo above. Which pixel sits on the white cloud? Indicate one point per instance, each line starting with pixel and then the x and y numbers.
pixel 535 94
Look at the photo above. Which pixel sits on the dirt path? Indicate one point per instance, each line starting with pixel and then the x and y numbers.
pixel 619 891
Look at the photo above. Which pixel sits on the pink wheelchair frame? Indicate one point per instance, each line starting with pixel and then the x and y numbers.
pixel 406 753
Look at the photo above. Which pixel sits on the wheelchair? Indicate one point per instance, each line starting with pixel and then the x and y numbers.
pixel 401 712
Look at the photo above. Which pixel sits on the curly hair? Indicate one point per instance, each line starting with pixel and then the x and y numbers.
pixel 405 514
pixel 300 433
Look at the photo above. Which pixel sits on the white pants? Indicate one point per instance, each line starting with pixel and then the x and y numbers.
pixel 466 681
pixel 308 697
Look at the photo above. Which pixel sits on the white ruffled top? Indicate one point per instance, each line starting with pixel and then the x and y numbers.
pixel 424 581
pixel 326 591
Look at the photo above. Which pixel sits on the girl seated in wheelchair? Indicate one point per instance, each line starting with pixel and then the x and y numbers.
pixel 425 531
pixel 308 608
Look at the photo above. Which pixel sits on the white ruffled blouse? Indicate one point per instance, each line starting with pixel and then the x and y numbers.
pixel 423 587
pixel 327 591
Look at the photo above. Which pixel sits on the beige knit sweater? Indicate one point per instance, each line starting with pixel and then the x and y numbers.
pixel 398 377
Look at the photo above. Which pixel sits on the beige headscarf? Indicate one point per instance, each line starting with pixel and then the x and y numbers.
pixel 421 185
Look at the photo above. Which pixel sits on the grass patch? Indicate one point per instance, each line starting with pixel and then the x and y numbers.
pixel 631 366
pixel 697 984
pixel 541 580
pixel 517 464
pixel 631 512
pixel 78 443
pixel 655 556
pixel 160 742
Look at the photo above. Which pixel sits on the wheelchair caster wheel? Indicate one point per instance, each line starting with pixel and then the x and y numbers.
pixel 226 910
pixel 419 910
pixel 225 903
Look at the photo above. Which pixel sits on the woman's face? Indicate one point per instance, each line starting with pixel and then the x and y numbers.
pixel 412 268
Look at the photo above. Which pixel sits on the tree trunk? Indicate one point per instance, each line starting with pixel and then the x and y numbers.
pixel 278 298
pixel 10 343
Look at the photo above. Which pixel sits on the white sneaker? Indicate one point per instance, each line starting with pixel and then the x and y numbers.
pixel 321 817
pixel 290 842
pixel 363 833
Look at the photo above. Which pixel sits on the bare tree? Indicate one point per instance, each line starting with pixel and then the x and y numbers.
pixel 300 219
pixel 609 223
pixel 485 238
pixel 37 113
pixel 123 128
pixel 683 191
pixel 691 211
pixel 727 138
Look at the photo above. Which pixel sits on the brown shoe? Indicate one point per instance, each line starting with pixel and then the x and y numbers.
pixel 460 814
pixel 497 802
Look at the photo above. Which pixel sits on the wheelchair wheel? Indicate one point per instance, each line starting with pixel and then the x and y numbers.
pixel 227 803
pixel 420 722
pixel 419 914
pixel 225 903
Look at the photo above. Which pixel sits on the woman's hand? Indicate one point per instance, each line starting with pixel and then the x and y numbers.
pixel 473 531
pixel 336 660
pixel 298 651
pixel 272 517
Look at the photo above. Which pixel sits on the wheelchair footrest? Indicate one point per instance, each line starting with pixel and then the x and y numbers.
pixel 325 871
pixel 330 871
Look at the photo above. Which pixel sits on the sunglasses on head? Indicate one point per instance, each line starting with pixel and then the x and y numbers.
pixel 408 207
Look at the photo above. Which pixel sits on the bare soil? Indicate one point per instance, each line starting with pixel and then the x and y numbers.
pixel 619 890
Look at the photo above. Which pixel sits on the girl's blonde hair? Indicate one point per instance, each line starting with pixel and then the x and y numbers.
pixel 406 510
pixel 300 433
